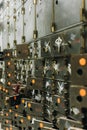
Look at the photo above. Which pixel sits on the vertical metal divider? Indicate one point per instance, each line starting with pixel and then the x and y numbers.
pixel 53 26
pixel 15 29
pixel 8 24
pixel 23 13
pixel 35 32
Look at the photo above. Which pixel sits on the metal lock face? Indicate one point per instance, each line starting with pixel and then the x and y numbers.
pixel 8 54
pixel 7 121
pixel 22 51
pixel 35 83
pixel 65 123
pixel 46 47
pixel 9 66
pixel 78 98
pixel 9 82
pixel 39 68
pixel 15 100
pixel 8 115
pixel 21 121
pixel 17 108
pixel 60 105
pixel 34 109
pixel 79 67
pixel 10 76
